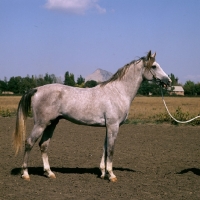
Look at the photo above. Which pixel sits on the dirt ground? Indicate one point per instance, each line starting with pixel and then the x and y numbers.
pixel 151 162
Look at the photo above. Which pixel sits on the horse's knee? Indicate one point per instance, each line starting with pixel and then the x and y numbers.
pixel 28 144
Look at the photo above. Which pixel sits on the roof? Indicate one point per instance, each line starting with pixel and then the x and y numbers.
pixel 176 89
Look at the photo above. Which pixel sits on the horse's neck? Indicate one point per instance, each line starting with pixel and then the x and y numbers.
pixel 131 82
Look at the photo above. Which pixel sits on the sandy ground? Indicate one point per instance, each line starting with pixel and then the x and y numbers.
pixel 151 162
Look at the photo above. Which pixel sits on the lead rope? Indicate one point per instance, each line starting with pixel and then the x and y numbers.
pixel 182 122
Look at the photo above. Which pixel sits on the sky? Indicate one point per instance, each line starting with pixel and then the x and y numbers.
pixel 80 36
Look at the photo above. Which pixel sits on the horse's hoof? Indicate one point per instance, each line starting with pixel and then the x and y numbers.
pixel 26 178
pixel 102 177
pixel 113 179
pixel 53 176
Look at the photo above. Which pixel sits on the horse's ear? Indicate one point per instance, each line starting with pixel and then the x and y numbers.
pixel 149 55
pixel 154 55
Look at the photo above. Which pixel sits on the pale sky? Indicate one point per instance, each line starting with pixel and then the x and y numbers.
pixel 79 36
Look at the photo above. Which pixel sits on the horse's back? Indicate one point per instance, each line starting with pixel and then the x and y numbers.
pixel 80 105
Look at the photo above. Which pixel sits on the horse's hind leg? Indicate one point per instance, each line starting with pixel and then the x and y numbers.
pixel 44 143
pixel 29 143
pixel 103 159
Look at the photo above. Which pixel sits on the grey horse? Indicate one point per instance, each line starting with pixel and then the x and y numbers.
pixel 106 105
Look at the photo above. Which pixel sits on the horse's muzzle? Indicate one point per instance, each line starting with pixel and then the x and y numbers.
pixel 164 82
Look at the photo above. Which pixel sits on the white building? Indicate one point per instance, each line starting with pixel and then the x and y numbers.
pixel 178 90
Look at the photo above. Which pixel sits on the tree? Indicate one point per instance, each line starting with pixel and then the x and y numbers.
pixel 69 79
pixel 48 79
pixel 189 88
pixel 26 84
pixel 148 87
pixel 173 79
pixel 39 80
pixel 80 80
pixel 91 84
pixel 14 84
pixel 144 88
pixel 197 88
pixel 154 88
pixel 3 86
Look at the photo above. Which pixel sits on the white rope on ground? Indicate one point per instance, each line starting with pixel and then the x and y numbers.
pixel 182 122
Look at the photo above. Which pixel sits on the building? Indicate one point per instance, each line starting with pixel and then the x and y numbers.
pixel 7 92
pixel 177 90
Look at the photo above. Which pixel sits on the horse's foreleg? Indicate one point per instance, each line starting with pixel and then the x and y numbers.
pixel 112 131
pixel 107 158
pixel 44 143
pixel 29 143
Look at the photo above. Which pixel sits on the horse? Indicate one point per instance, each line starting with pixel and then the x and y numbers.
pixel 106 105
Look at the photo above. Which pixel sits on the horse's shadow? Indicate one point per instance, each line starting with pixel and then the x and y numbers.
pixel 195 171
pixel 39 170
pixel 96 171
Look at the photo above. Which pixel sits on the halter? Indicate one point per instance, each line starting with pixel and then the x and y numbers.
pixel 157 80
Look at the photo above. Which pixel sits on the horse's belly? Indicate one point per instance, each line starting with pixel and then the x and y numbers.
pixel 85 119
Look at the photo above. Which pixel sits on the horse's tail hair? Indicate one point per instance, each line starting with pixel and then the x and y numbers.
pixel 22 114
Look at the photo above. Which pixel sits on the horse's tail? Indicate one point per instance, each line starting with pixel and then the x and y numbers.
pixel 22 114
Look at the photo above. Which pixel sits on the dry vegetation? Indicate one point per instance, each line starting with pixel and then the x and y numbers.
pixel 143 109
pixel 146 107
pixel 9 102
pixel 151 109
pixel 8 105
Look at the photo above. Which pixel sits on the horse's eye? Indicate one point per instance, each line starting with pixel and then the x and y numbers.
pixel 153 67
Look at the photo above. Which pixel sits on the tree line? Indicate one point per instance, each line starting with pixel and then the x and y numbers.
pixel 19 85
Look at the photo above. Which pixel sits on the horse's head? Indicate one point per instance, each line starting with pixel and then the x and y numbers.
pixel 153 71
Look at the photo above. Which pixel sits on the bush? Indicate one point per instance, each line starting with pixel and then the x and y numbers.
pixel 91 84
pixel 5 113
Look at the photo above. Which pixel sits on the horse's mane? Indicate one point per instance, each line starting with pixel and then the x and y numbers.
pixel 122 71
